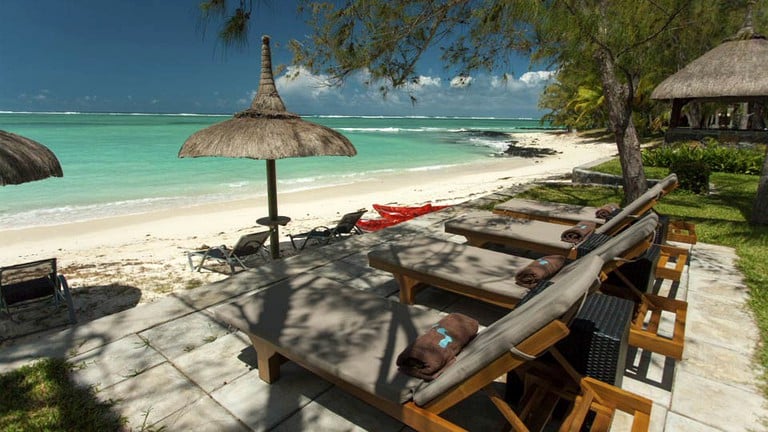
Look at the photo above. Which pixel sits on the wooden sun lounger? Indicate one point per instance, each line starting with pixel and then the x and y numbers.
pixel 352 338
pixel 481 273
pixel 569 214
pixel 488 276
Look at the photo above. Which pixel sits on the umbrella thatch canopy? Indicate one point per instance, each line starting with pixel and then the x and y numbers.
pixel 267 131
pixel 23 160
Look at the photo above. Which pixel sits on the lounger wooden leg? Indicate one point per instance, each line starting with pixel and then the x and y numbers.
pixel 513 419
pixel 604 399
pixel 268 361
pixel 67 298
pixel 646 336
pixel 408 289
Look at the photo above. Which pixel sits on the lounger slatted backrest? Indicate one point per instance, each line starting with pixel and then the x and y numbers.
pixel 32 281
pixel 639 206
pixel 348 222
pixel 250 244
pixel 620 245
pixel 554 303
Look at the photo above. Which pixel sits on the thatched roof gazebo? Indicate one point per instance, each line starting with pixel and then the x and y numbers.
pixel 24 160
pixel 732 72
pixel 267 131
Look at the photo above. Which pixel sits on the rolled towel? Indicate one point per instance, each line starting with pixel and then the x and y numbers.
pixel 607 211
pixel 538 270
pixel 577 233
pixel 431 352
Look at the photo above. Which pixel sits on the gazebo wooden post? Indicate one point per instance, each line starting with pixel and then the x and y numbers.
pixel 677 109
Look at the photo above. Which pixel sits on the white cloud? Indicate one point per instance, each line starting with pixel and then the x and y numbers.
pixel 461 81
pixel 424 82
pixel 480 95
pixel 537 77
pixel 502 80
pixel 300 79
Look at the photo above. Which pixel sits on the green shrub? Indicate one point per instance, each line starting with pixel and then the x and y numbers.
pixel 719 158
pixel 692 175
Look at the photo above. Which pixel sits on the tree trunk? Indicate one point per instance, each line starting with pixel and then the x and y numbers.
pixel 760 207
pixel 618 99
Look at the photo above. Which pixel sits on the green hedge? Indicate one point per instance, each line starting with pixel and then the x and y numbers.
pixel 717 157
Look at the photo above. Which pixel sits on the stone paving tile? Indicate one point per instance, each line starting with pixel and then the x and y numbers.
pixel 651 369
pixel 216 292
pixel 715 261
pixel 202 415
pixel 93 334
pixel 263 406
pixel 725 330
pixel 218 363
pixel 623 421
pixel 677 423
pixel 151 396
pixel 335 410
pixel 115 362
pixel 657 395
pixel 717 404
pixel 741 369
pixel 183 335
pixel 434 298
pixel 711 286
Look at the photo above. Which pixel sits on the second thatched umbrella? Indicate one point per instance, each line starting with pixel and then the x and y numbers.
pixel 267 131
pixel 24 160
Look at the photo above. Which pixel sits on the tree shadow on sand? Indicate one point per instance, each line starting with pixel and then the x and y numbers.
pixel 91 302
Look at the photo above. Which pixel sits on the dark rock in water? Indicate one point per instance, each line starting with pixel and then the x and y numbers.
pixel 487 133
pixel 528 152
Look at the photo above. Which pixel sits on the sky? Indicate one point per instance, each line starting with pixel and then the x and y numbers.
pixel 153 56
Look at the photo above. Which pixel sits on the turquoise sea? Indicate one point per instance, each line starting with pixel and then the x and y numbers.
pixel 116 164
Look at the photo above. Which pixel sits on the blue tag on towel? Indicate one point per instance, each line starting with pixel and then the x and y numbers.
pixel 446 339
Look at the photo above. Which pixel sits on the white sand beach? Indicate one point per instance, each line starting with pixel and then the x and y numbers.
pixel 115 263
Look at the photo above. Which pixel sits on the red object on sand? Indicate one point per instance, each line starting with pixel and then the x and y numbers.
pixel 405 212
pixel 371 225
pixel 393 215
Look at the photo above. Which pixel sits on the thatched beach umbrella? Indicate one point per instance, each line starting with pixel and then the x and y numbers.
pixel 267 131
pixel 24 160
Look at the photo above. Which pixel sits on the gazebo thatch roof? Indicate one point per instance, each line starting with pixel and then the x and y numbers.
pixel 267 130
pixel 735 69
pixel 24 160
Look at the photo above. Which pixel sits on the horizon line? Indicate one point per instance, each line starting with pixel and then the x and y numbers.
pixel 371 116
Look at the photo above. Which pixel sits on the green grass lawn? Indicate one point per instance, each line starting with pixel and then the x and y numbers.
pixel 42 397
pixel 720 217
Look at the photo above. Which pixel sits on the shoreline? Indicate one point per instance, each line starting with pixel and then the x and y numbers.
pixel 118 262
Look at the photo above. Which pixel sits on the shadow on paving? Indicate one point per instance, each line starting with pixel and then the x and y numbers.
pixel 91 302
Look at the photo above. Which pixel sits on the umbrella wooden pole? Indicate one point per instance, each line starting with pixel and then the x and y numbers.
pixel 274 237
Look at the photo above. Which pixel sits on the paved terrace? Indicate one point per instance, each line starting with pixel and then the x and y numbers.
pixel 171 364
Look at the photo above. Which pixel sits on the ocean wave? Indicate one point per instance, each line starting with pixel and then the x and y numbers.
pixel 431 168
pixel 87 212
